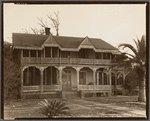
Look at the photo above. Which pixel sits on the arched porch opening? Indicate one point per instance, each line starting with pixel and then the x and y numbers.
pixel 69 79
pixel 102 77
pixel 31 76
pixel 86 76
pixel 51 76
pixel 51 79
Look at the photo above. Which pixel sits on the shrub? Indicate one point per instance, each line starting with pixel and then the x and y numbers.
pixel 131 82
pixel 11 74
pixel 53 108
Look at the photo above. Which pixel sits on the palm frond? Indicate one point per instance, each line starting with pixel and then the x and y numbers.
pixel 53 108
pixel 128 46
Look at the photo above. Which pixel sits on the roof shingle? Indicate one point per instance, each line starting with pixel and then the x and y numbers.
pixel 34 40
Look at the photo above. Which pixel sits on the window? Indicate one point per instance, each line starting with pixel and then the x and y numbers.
pixel 104 55
pixel 98 56
pixel 55 52
pixel 84 53
pixel 25 53
pixel 65 54
pixel 105 79
pixel 82 78
pixel 33 53
pixel 108 56
pixel 47 52
pixel 39 53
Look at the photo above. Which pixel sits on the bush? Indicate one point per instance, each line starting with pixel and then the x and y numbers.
pixel 131 82
pixel 53 108
pixel 11 74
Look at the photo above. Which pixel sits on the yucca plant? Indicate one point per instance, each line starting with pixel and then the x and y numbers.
pixel 53 108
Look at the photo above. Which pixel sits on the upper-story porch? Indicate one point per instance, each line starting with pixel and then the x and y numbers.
pixel 53 55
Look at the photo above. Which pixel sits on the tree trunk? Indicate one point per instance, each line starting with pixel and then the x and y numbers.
pixel 142 95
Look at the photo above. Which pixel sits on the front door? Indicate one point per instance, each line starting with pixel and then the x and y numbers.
pixel 66 80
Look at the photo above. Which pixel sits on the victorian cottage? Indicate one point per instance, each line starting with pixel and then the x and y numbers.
pixel 62 66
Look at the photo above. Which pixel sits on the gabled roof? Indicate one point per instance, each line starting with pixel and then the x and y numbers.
pixel 28 40
pixel 21 40
pixel 50 41
pixel 86 43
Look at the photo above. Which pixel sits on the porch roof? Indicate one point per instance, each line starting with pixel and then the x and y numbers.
pixel 22 40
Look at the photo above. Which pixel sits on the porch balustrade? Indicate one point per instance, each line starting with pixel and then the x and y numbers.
pixel 46 60
pixel 46 88
pixel 31 88
pixel 91 87
pixel 116 87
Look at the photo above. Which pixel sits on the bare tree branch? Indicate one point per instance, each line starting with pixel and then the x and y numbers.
pixel 42 24
pixel 55 22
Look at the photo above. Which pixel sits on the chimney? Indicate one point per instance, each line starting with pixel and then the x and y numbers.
pixel 47 31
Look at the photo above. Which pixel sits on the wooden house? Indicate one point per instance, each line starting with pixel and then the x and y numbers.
pixel 60 65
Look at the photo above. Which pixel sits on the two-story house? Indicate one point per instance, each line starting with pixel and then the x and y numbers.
pixel 59 65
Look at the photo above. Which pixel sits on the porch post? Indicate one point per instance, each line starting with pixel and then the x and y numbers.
pixel 77 69
pixel 28 75
pixel 29 56
pixel 41 69
pixel 21 55
pixel 44 52
pixel 115 93
pixel 36 53
pixel 123 91
pixel 60 78
pixel 110 82
pixel 51 52
pixel 94 73
pixel 22 69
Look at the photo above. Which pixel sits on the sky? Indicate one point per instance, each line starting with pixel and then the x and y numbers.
pixel 113 23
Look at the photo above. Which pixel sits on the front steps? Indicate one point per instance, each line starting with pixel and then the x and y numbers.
pixel 70 94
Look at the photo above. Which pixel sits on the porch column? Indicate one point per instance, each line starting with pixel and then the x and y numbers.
pixel 60 78
pixel 41 70
pixel 44 52
pixel 110 82
pixel 123 92
pixel 36 53
pixel 77 69
pixel 22 69
pixel 21 55
pixel 94 81
pixel 115 93
pixel 28 75
pixel 29 56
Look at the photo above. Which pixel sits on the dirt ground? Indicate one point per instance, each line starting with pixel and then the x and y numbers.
pixel 95 107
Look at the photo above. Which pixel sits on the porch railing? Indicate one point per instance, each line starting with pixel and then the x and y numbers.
pixel 42 60
pixel 49 88
pixel 94 87
pixel 46 88
pixel 31 88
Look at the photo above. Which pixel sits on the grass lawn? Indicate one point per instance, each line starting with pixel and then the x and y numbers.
pixel 125 101
pixel 88 107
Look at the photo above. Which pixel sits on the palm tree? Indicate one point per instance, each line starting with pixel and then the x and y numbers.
pixel 136 61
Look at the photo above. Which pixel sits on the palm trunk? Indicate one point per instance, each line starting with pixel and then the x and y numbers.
pixel 142 95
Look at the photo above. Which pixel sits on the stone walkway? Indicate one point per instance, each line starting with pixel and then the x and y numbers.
pixel 78 108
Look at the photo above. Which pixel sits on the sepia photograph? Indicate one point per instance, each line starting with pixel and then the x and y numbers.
pixel 74 61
